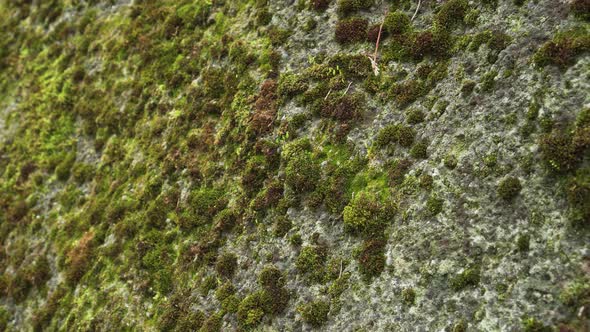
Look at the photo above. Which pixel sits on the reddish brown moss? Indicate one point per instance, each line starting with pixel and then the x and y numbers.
pixel 345 108
pixel 320 5
pixel 371 258
pixel 79 258
pixel 265 108
pixel 351 30
pixel 563 49
pixel 581 8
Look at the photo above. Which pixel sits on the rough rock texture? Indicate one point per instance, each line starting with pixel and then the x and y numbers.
pixel 221 165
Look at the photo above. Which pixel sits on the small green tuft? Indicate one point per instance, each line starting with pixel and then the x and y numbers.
pixel 408 296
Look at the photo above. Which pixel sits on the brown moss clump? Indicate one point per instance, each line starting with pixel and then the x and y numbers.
pixel 563 49
pixel 320 5
pixel 435 43
pixel 79 258
pixel 344 108
pixel 351 30
pixel 226 265
pixel 581 8
pixel 265 108
pixel 371 257
pixel 558 151
pixel 373 33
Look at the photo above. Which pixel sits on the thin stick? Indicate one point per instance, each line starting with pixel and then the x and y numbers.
pixel 416 12
pixel 349 83
pixel 377 44
pixel 340 274
pixel 329 91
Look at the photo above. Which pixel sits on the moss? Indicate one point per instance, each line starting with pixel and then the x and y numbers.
pixel 212 323
pixel 576 293
pixel 315 313
pixel 224 291
pixel 426 181
pixel 522 243
pixel 302 173
pixel 408 296
pixel 278 36
pixel 351 30
pixel 578 195
pixel 397 170
pixel 281 226
pixel 460 326
pixel 563 49
pixel 206 202
pixel 339 286
pixel 226 264
pixel 509 188
pixel 271 278
pixel 558 151
pixel 415 116
pixel 38 272
pixel 434 205
pixel 419 150
pixel 343 108
pixel 272 300
pixel 488 81
pixel 469 277
pixel 435 43
pixel 230 304
pixel 371 257
pixel 495 39
pixel 263 17
pixel 42 317
pixel 296 240
pixel 533 325
pixel 467 87
pixel 581 9
pixel 348 7
pixel 79 258
pixel 320 5
pixel 209 283
pixel 291 85
pixel 4 318
pixel 396 23
pixel 250 311
pixel 311 262
pixel 451 14
pixel 519 3
pixel 62 171
pixel 366 214
pixel 450 161
pixel 471 17
pixel 397 133
pixel 352 66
